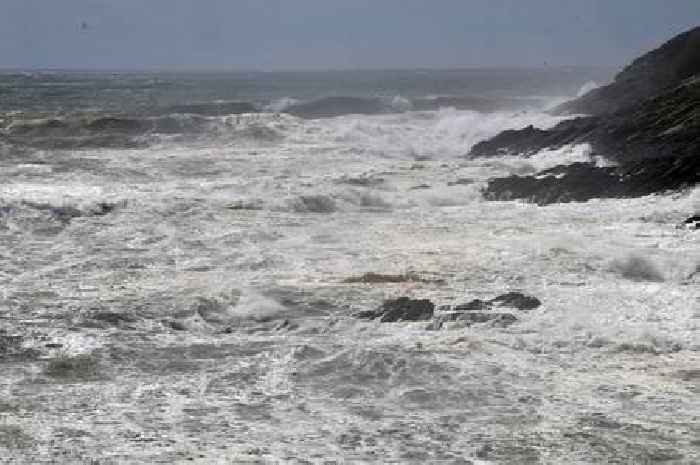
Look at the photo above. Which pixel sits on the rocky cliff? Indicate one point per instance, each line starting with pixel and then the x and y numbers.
pixel 654 144
pixel 651 74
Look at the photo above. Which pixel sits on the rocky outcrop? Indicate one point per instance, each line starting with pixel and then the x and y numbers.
pixel 475 312
pixel 649 75
pixel 401 309
pixel 646 123
pixel 691 223
pixel 655 147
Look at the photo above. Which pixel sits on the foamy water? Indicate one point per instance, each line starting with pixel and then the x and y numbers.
pixel 229 254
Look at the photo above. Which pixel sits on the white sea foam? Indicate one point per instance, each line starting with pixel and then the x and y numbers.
pixel 294 375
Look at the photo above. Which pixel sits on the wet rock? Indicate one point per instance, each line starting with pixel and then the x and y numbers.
pixel 511 299
pixel 401 309
pixel 578 182
pixel 691 223
pixel 474 305
pixel 517 300
pixel 653 137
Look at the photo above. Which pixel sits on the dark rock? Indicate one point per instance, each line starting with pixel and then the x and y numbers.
pixel 692 223
pixel 511 299
pixel 578 182
pixel 368 314
pixel 654 145
pixel 649 75
pixel 104 208
pixel 401 309
pixel 650 130
pixel 517 300
pixel 530 140
pixel 474 305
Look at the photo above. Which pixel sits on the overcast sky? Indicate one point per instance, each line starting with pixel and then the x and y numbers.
pixel 297 34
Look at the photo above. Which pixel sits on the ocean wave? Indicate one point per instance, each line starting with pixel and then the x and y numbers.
pixel 78 132
pixel 328 107
pixel 212 108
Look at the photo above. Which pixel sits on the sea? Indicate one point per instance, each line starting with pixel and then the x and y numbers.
pixel 183 257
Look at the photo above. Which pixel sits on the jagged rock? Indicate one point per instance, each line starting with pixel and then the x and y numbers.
pixel 511 299
pixel 649 75
pixel 692 223
pixel 530 140
pixel 401 309
pixel 517 300
pixel 655 146
pixel 650 131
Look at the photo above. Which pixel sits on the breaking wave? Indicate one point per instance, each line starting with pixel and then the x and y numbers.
pixel 328 107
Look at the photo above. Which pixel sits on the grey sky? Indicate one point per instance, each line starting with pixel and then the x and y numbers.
pixel 283 34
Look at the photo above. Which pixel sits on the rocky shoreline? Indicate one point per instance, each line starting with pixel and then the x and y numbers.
pixel 646 125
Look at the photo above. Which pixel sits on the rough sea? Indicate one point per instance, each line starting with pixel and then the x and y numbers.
pixel 182 257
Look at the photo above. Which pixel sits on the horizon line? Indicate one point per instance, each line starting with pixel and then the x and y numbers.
pixel 173 69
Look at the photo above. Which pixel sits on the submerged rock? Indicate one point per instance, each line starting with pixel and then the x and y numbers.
pixel 401 309
pixel 516 300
